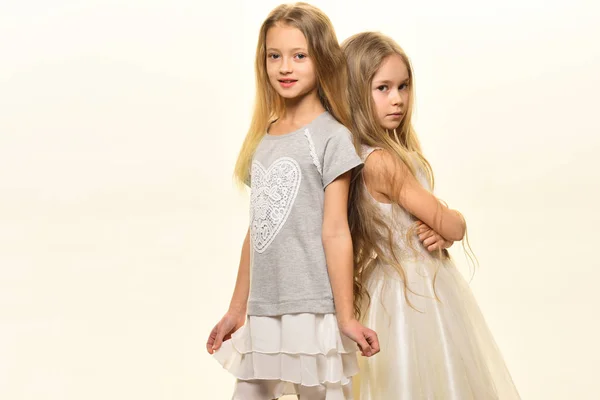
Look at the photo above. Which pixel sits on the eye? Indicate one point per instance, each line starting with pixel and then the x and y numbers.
pixel 382 88
pixel 403 86
pixel 273 56
pixel 301 56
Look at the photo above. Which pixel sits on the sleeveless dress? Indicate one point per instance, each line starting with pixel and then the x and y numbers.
pixel 435 349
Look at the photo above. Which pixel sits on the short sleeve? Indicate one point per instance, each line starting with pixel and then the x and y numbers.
pixel 248 179
pixel 339 156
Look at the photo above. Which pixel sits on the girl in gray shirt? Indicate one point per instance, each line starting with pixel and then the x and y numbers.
pixel 291 327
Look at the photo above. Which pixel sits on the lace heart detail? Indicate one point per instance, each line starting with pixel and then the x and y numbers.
pixel 273 193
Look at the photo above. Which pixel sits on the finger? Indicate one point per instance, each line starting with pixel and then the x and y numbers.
pixel 362 353
pixel 219 338
pixel 364 347
pixel 373 340
pixel 227 337
pixel 426 235
pixel 434 247
pixel 423 228
pixel 211 340
pixel 431 240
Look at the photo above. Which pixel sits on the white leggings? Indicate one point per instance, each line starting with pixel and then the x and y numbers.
pixel 270 390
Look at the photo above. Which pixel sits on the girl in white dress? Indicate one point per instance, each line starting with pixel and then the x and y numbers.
pixel 435 342
pixel 291 323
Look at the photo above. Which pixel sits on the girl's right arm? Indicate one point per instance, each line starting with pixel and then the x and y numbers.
pixel 386 175
pixel 236 315
pixel 239 300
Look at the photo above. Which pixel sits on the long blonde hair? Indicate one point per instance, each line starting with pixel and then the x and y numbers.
pixel 372 237
pixel 330 67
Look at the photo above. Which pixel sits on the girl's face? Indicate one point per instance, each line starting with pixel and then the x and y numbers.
pixel 289 67
pixel 390 89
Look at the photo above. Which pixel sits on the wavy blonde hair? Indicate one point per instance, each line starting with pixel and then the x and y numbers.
pixel 373 239
pixel 330 67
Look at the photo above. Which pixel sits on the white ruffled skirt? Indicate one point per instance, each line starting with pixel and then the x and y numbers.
pixel 293 354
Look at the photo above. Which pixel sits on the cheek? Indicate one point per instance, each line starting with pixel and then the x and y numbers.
pixel 379 100
pixel 307 71
pixel 271 69
pixel 405 98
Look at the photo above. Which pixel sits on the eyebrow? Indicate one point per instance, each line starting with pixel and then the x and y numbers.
pixel 294 49
pixel 387 81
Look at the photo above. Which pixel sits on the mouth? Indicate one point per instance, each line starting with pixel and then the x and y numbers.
pixel 287 83
pixel 395 115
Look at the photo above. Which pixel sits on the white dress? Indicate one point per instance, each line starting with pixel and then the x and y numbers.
pixel 438 349
pixel 293 354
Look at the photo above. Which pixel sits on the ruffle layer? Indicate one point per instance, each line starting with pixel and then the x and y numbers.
pixel 302 349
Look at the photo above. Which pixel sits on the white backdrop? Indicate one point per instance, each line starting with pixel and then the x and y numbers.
pixel 120 228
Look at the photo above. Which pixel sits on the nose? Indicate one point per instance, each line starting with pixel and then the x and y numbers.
pixel 286 66
pixel 395 98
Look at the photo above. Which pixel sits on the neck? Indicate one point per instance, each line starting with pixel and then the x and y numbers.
pixel 302 107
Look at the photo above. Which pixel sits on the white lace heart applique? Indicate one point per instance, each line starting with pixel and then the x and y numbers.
pixel 274 191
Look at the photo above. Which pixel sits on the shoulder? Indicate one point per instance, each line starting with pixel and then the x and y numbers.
pixel 326 128
pixel 380 165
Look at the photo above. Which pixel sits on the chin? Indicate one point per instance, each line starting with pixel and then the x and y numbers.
pixel 391 127
pixel 288 95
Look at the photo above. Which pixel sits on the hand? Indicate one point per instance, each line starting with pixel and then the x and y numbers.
pixel 365 338
pixel 431 239
pixel 223 330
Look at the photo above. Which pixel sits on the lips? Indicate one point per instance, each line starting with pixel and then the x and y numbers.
pixel 287 83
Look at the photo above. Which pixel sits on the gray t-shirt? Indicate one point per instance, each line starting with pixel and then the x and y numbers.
pixel 288 178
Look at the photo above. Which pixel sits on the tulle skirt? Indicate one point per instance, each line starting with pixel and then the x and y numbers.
pixel 290 354
pixel 435 349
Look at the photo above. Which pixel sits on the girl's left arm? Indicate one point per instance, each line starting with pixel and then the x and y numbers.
pixel 337 243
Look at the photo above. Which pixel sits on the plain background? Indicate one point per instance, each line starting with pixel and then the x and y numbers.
pixel 120 227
